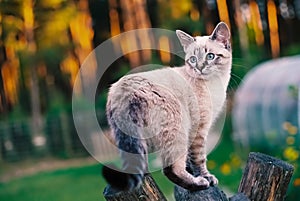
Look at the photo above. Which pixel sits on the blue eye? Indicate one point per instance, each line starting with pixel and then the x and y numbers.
pixel 210 56
pixel 193 59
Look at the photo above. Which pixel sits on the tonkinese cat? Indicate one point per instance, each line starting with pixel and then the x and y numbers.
pixel 170 111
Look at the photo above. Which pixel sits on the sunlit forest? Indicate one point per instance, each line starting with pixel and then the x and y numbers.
pixel 44 43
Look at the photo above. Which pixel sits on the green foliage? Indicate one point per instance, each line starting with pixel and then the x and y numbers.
pixel 224 162
pixel 293 49
pixel 57 103
pixel 17 114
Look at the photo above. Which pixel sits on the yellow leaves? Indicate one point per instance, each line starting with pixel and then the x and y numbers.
pixel 290 140
pixel 28 14
pixel 235 161
pixel 114 22
pixel 164 47
pixel 211 164
pixel 297 182
pixel 291 154
pixel 180 8
pixel 12 22
pixel 223 11
pixel 51 3
pixel 273 26
pixel 70 66
pixel 287 126
pixel 256 23
pixel 272 16
pixel 225 169
pixel 81 30
pixel 195 15
pixel 54 30
pixel 233 164
pixel 10 80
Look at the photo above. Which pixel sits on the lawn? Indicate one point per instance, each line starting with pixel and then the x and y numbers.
pixel 86 183
pixel 72 184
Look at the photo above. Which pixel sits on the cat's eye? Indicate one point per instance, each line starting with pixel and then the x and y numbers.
pixel 193 59
pixel 210 56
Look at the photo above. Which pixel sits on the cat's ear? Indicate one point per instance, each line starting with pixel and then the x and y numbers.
pixel 221 34
pixel 184 38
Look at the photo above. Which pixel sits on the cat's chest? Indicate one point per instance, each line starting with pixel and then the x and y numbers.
pixel 212 96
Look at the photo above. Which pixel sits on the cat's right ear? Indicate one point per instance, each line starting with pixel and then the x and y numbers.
pixel 221 34
pixel 184 38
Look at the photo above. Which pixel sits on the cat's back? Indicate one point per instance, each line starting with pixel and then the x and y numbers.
pixel 160 97
pixel 166 79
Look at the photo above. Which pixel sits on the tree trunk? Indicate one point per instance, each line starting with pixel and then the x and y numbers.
pixel 34 84
pixel 35 101
pixel 3 102
pixel 265 178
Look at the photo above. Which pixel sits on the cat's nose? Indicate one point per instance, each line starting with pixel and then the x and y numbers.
pixel 201 67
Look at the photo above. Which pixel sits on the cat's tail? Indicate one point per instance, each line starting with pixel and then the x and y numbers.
pixel 120 180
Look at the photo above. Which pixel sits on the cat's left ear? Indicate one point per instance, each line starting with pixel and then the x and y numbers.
pixel 222 35
pixel 184 38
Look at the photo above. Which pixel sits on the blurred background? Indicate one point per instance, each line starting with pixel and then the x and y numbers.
pixel 43 43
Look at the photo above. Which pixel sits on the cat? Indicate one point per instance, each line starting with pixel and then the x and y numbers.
pixel 171 111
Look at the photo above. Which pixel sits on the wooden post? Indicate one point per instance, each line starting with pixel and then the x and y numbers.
pixel 239 197
pixel 213 193
pixel 148 191
pixel 265 178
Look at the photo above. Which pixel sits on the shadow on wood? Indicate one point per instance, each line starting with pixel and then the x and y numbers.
pixel 148 191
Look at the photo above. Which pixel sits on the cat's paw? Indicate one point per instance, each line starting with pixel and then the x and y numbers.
pixel 211 179
pixel 201 183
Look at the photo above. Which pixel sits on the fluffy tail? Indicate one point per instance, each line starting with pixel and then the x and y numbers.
pixel 120 180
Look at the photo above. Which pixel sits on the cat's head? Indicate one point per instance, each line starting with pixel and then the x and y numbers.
pixel 207 56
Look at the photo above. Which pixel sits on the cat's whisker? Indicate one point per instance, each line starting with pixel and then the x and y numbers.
pixel 236 81
pixel 234 77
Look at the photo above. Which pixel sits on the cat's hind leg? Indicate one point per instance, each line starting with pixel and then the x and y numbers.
pixel 133 154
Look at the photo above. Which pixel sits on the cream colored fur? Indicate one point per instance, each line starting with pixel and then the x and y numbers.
pixel 172 109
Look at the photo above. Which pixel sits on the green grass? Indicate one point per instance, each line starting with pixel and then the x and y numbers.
pixel 73 184
pixel 86 183
pixel 228 163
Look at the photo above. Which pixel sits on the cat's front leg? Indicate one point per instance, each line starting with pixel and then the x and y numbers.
pixel 174 154
pixel 197 158
pixel 177 173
